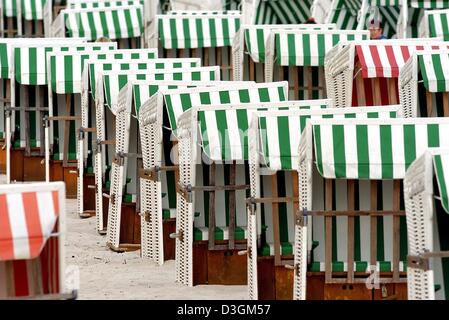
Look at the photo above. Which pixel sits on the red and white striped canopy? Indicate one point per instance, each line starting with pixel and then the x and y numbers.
pixel 27 219
pixel 385 61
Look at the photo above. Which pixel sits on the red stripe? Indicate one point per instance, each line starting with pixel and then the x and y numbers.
pixel 6 242
pixel 376 60
pixel 362 61
pixel 384 96
pixel 405 53
pixel 20 278
pixel 55 196
pixel 396 90
pixel 355 101
pixel 368 88
pixel 392 61
pixel 44 267
pixel 35 234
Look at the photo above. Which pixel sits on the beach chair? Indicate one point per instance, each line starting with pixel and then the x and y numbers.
pixel 27 108
pixel 248 48
pixel 422 84
pixel 33 233
pixel 434 23
pixel 275 12
pixel 365 73
pixel 426 206
pixel 9 18
pixel 300 56
pixel 344 13
pixel 412 26
pixel 272 205
pixel 362 245
pixel 390 12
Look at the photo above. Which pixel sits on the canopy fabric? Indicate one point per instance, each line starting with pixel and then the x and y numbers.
pixel 441 166
pixel 224 132
pixel 232 4
pixel 119 61
pixel 389 15
pixel 179 101
pixel 438 22
pixel 9 8
pixel 256 37
pixel 103 4
pixel 345 13
pixel 283 12
pixel 308 48
pixel 434 69
pixel 197 31
pixel 142 91
pixel 114 82
pixel 280 134
pixel 30 65
pixel 27 219
pixel 7 46
pixel 113 23
pixel 429 4
pixel 385 61
pixel 385 3
pixel 32 9
pixel 372 149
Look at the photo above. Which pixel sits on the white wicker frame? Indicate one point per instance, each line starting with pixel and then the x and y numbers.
pixel 419 205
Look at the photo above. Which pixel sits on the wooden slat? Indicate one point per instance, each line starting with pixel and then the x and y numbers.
pixel 295 71
pixel 445 104
pixel 373 223
pixel 351 235
pixel 396 228
pixel 26 102
pixel 429 103
pixel 40 104
pixel 28 28
pixel 212 171
pixel 206 57
pixel 68 106
pixel 392 90
pixel 360 90
pixel 309 71
pixel 328 228
pixel 231 69
pixel 232 206
pixel 377 94
pixel 322 82
pixel 252 67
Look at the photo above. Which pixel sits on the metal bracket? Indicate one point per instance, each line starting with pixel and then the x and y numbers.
pixel 185 191
pixel 294 267
pixel 147 216
pixel 150 174
pixel 301 217
pixel 119 159
pixel 46 121
pixel 81 133
pixel 178 235
pixel 418 262
pixel 251 205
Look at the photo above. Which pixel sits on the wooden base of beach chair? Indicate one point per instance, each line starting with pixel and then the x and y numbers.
pixel 317 289
pixel 67 174
pixel 88 195
pixel 218 267
pixel 17 161
pixel 169 227
pixel 2 157
pixel 129 228
pixel 274 282
pixel 33 168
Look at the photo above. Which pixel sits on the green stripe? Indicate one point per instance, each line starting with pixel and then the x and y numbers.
pixel 222 126
pixel 284 146
pixel 186 30
pixel 243 125
pixel 203 128
pixel 116 21
pixel 441 182
pixel 129 23
pixel 410 146
pixel 386 151
pixel 104 25
pixel 225 27
pixel 362 151
pixel 339 150
pixel 18 65
pixel 32 56
pixel 68 73
pixel 200 34
pixel 433 136
pixel 318 150
pixel 292 48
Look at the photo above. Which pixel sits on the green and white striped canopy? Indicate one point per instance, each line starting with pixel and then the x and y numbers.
pixel 224 130
pixel 385 3
pixel 438 23
pixel 97 68
pixel 114 81
pixel 10 8
pixel 434 69
pixel 441 167
pixel 280 133
pixel 113 23
pixel 7 46
pixel 372 149
pixel 30 65
pixel 201 12
pixel 308 48
pixel 429 4
pixel 197 31
pixel 389 11
pixel 283 11
pixel 344 13
pixel 178 101
pixel 256 36
pixel 32 9
pixel 103 4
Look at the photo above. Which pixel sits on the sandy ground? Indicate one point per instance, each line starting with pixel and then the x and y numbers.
pixel 108 275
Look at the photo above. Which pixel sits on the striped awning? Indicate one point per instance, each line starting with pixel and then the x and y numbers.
pixel 385 60
pixel 429 4
pixel 389 14
pixel 10 8
pixel 7 45
pixel 224 131
pixel 434 69
pixel 438 23
pixel 144 90
pixel 32 9
pixel 344 14
pixel 179 101
pixel 27 220
pixel 280 133
pixel 441 166
pixel 97 68
pixel 385 3
pixel 201 12
pixel 369 149
pixel 308 48
pixel 256 36
pixel 103 4
pixel 283 11
pixel 30 65
pixel 113 23
pixel 197 31
pixel 114 81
